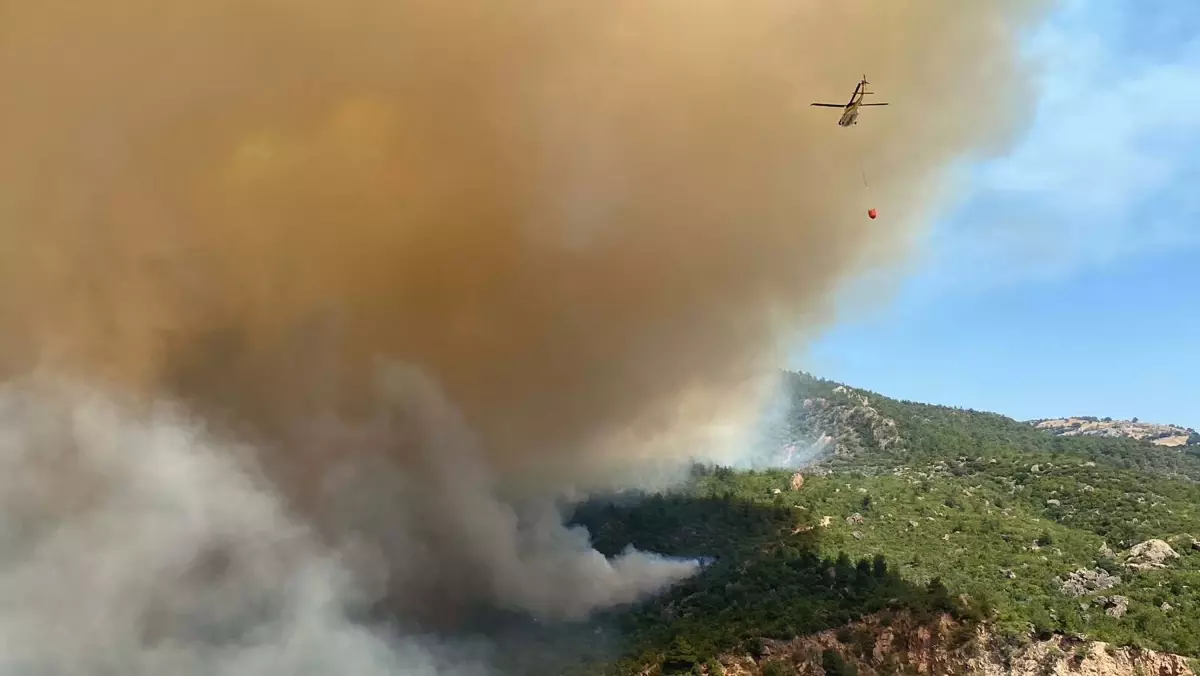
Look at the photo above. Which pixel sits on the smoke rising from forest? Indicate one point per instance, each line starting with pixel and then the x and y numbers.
pixel 434 265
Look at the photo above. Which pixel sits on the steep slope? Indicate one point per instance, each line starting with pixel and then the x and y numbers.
pixel 828 421
pixel 921 432
pixel 923 512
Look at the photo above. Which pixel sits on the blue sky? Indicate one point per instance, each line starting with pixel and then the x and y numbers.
pixel 1067 281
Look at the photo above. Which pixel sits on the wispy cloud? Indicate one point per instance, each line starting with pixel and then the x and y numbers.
pixel 1109 167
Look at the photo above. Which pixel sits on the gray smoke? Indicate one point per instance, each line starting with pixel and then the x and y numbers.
pixel 132 543
pixel 448 530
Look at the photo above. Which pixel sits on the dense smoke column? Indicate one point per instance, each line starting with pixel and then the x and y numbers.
pixel 441 263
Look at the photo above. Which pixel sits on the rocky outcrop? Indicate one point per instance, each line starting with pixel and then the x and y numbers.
pixel 1149 555
pixel 1086 426
pixel 899 644
pixel 1084 581
pixel 1114 606
pixel 1061 657
pixel 840 426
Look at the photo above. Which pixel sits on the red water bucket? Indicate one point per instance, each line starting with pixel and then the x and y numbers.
pixel 872 213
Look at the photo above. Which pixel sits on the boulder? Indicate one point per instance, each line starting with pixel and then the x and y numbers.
pixel 1083 581
pixel 1150 554
pixel 1116 606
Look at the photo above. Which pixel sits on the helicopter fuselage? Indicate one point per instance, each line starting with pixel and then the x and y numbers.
pixel 849 117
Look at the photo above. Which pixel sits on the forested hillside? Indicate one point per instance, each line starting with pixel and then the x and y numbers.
pixel 918 511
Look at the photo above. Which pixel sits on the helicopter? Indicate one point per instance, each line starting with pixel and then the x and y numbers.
pixel 850 109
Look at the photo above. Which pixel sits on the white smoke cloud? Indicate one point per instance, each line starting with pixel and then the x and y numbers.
pixel 134 544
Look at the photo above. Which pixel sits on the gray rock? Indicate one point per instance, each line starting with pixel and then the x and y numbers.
pixel 1150 554
pixel 1084 581
pixel 1116 607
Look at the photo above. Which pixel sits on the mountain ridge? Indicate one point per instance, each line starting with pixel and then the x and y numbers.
pixel 1156 433
pixel 871 507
